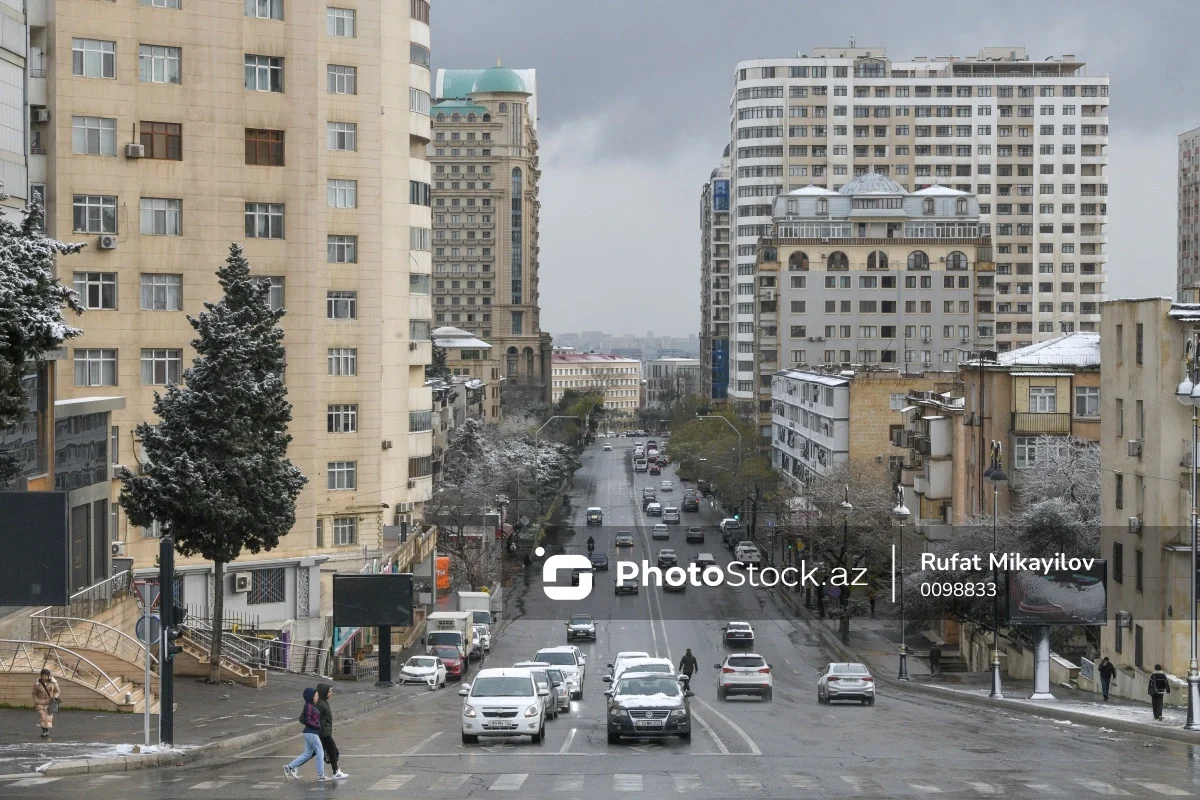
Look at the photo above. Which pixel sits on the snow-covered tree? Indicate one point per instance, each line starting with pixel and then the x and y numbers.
pixel 31 313
pixel 437 369
pixel 218 478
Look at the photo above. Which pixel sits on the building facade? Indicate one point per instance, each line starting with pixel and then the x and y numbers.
pixel 619 378
pixel 669 380
pixel 171 131
pixel 1028 138
pixel 486 215
pixel 715 283
pixel 1188 228
pixel 473 360
pixel 18 63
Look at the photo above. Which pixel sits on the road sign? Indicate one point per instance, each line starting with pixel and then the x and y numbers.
pixel 155 629
pixel 835 591
pixel 799 546
pixel 770 523
pixel 147 593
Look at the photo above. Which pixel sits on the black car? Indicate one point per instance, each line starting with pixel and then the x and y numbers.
pixel 690 503
pixel 599 561
pixel 575 575
pixel 644 705
pixel 625 586
pixel 667 558
pixel 694 534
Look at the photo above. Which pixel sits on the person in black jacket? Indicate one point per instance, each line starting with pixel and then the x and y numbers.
pixel 330 746
pixel 687 664
pixel 1107 673
pixel 1159 688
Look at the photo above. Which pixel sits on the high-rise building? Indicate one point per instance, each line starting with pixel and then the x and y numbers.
pixel 1188 263
pixel 484 156
pixel 1028 138
pixel 169 130
pixel 16 59
pixel 715 282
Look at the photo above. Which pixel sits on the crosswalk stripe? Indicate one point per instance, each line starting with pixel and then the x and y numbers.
pixel 390 784
pixel 860 784
pixel 745 782
pixel 627 782
pixel 38 781
pixel 686 783
pixel 797 781
pixel 449 783
pixel 1099 787
pixel 1162 788
pixel 925 788
pixel 569 783
pixel 209 785
pixel 1044 788
pixel 983 788
pixel 509 782
pixel 263 787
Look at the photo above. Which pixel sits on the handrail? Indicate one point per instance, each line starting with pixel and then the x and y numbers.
pixel 105 591
pixel 284 655
pixel 121 638
pixel 26 651
pixel 234 650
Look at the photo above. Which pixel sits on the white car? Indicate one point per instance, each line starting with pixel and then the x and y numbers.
pixel 739 634
pixel 565 659
pixel 625 655
pixel 485 637
pixel 503 702
pixel 660 531
pixel 666 486
pixel 538 669
pixel 608 447
pixel 582 661
pixel 846 681
pixel 660 665
pixel 747 673
pixel 424 669
pixel 747 554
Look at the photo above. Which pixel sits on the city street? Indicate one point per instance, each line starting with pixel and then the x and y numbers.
pixel 792 747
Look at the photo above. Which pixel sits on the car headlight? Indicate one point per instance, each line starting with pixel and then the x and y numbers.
pixel 616 711
pixel 677 713
pixel 532 711
pixel 469 711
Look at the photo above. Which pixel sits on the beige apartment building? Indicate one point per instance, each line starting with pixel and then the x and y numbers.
pixel 486 211
pixel 620 379
pixel 476 362
pixel 298 130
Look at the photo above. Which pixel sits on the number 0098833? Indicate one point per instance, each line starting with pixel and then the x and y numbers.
pixel 956 589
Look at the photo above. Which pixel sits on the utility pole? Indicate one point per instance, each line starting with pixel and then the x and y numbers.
pixel 166 664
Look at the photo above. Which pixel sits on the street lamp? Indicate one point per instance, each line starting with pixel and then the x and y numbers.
pixel 536 460
pixel 732 427
pixel 1188 394
pixel 995 473
pixel 901 513
pixel 847 509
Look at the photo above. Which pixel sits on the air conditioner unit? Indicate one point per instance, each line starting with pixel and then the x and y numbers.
pixel 387 444
pixel 118 549
pixel 412 345
pixel 243 581
pixel 1135 524
pixel 412 483
pixel 108 243
pixel 1135 448
pixel 820 338
pixel 941 258
pixel 812 338
pixel 135 151
pixel 926 341
pixel 768 294
pixel 39 115
pixel 966 341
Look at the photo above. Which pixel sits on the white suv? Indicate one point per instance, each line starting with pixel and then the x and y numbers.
pixel 503 702
pixel 565 659
pixel 745 673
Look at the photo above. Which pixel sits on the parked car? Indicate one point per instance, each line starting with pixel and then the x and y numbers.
pixel 485 637
pixel 428 670
pixel 747 554
pixel 595 515
pixel 694 534
pixel 846 681
pixel 503 702
pixel 747 673
pixel 646 704
pixel 581 626
pixel 660 531
pixel 623 539
pixel 690 503
pixel 739 634
pixel 671 515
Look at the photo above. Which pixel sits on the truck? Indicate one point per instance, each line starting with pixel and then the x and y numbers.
pixel 449 628
pixel 479 604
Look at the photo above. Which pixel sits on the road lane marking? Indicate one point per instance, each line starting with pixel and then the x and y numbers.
pixel 568 783
pixel 209 785
pixel 712 734
pixel 686 783
pixel 412 750
pixel 983 788
pixel 390 784
pixel 627 782
pixel 746 782
pixel 797 781
pixel 567 744
pixel 925 788
pixel 860 784
pixel 737 729
pixel 1044 788
pixel 1163 788
pixel 39 781
pixel 508 782
pixel 1100 787
pixel 449 783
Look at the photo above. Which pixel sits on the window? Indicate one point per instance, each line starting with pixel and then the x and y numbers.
pixel 275 298
pixel 1042 399
pixel 419 55
pixel 342 193
pixel 267 585
pixel 341 305
pixel 342 361
pixel 418 101
pixel 518 322
pixel 95 367
pixel 93 136
pixel 341 80
pixel 345 530
pixel 162 292
pixel 1118 562
pixel 838 261
pixel 158 64
pixel 161 216
pixel 162 140
pixel 264 9
pixel 264 220
pixel 1025 451
pixel 1087 401
pixel 420 467
pixel 421 421
pixel 918 260
pixel 264 148
pixel 1140 340
pixel 341 419
pixel 159 4
pixel 342 475
pixel 339 22
pixel 341 249
pixel 418 193
pixel 1139 563
pixel 161 367
pixel 264 73
pixel 419 10
pixel 94 213
pixel 93 58
pixel 97 290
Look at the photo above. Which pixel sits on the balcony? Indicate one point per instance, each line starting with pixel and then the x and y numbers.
pixel 1027 422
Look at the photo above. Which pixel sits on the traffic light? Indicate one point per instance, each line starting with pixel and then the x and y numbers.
pixel 175 629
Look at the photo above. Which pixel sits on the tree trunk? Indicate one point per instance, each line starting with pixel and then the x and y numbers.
pixel 218 625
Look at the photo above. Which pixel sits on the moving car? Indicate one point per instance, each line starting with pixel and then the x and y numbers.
pixel 694 534
pixel 625 586
pixel 667 486
pixel 738 634
pixel 662 666
pixel 562 690
pixel 691 502
pixel 671 514
pixel 599 561
pixel 581 626
pixel 649 493
pixel 567 660
pixel 647 704
pixel 846 681
pixel 652 444
pixel 595 515
pixel 625 655
pixel 452 659
pixel 424 669
pixel 655 469
pixel 608 447
pixel 503 702
pixel 623 540
pixel 639 465
pixel 654 509
pixel 745 674
pixel 667 558
pixel 704 560
pixel 538 669
pixel 660 531
pixel 703 487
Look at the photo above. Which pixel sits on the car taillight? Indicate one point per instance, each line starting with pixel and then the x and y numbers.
pixel 869 679
pixel 833 678
pixel 765 670
pixel 727 670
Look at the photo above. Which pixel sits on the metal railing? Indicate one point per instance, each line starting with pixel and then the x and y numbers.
pixel 94 599
pixel 233 646
pixel 232 621
pixel 365 670
pixel 21 656
pixel 73 633
pixel 1025 422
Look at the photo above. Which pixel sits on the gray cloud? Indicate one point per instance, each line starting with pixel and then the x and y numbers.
pixel 634 103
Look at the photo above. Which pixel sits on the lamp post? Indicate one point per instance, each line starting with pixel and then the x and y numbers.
pixel 901 513
pixel 846 509
pixel 732 427
pixel 1188 394
pixel 995 473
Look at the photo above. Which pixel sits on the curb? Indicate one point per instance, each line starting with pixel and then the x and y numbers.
pixel 1125 726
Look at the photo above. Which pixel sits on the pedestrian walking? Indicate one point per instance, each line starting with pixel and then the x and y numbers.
pixel 46 700
pixel 1107 673
pixel 310 718
pixel 871 592
pixel 324 690
pixel 935 660
pixel 1159 688
pixel 687 664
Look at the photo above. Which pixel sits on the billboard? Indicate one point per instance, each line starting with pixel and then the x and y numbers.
pixel 720 195
pixel 1076 596
pixel 367 601
pixel 35 533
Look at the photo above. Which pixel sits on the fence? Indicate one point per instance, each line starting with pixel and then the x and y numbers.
pixel 352 670
pixel 232 621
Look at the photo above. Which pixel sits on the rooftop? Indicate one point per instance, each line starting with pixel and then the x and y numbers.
pixel 872 183
pixel 456 337
pixel 1068 350
pixel 591 358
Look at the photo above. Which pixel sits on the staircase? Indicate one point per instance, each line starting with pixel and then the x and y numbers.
pixel 83 683
pixel 193 660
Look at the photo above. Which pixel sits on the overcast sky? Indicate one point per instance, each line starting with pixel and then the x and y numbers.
pixel 633 97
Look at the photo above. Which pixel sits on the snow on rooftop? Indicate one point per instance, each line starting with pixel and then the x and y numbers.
pixel 939 190
pixel 1071 350
pixel 582 358
pixel 810 190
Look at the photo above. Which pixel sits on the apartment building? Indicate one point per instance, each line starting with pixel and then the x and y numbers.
pixel 486 212
pixel 1028 137
pixel 715 283
pixel 170 130
pixel 619 378
pixel 16 58
pixel 474 360
pixel 669 380
pixel 1146 463
pixel 1188 228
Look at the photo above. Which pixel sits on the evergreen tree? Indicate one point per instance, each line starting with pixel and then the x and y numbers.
pixel 218 478
pixel 437 369
pixel 31 313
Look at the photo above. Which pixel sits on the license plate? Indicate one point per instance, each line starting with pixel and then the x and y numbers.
pixel 499 726
pixel 647 723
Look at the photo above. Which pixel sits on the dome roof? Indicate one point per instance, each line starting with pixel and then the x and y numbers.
pixel 499 79
pixel 871 183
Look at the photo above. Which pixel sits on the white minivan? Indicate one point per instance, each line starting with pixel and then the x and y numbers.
pixel 503 702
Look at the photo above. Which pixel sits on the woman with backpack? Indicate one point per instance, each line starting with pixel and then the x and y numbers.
pixel 310 718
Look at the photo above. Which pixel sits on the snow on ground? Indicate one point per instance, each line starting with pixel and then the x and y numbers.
pixel 1120 711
